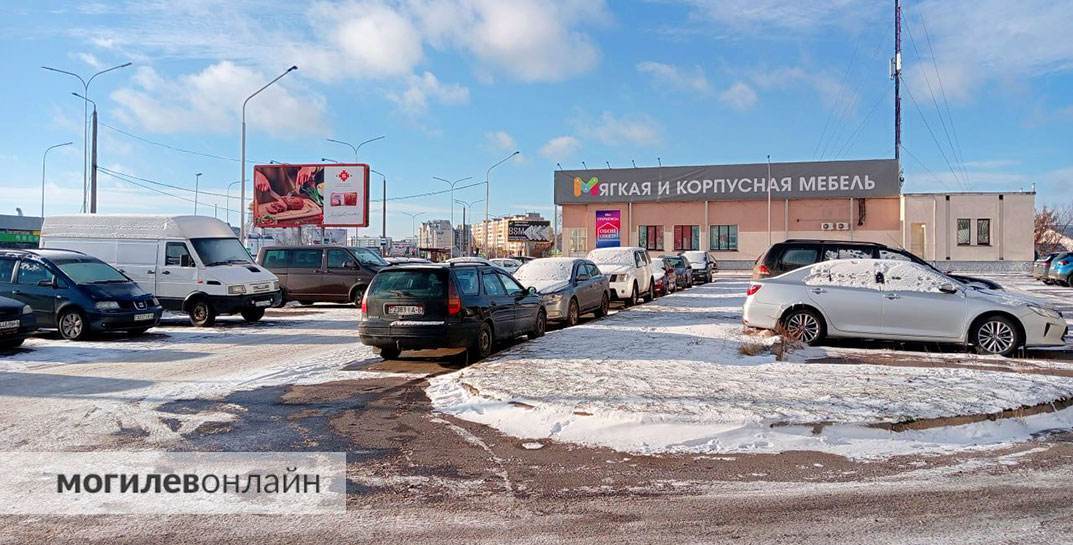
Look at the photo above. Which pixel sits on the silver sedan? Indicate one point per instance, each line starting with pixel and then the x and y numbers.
pixel 899 300
pixel 569 287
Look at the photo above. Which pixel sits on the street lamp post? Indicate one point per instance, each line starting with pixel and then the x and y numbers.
pixel 383 205
pixel 43 157
pixel 197 182
pixel 227 209
pixel 92 155
pixel 488 198
pixel 85 119
pixel 413 222
pixel 468 236
pixel 452 184
pixel 242 191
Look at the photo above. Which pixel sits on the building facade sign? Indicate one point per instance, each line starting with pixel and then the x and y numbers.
pixel 608 228
pixel 802 180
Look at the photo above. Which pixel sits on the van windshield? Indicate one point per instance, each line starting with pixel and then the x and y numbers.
pixel 368 257
pixel 91 272
pixel 220 251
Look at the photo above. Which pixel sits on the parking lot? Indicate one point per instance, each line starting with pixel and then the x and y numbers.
pixel 588 431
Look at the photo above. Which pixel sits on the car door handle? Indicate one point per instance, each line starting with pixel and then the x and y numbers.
pixel 16 292
pixel 818 290
pixel 166 272
pixel 892 296
pixel 150 272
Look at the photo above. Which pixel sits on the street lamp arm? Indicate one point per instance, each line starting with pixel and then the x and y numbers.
pixel 84 82
pixel 504 160
pixel 90 100
pixel 366 142
pixel 105 71
pixel 347 144
pixel 266 86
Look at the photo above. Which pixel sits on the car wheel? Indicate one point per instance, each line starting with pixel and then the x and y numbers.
pixel 804 325
pixel 356 295
pixel 605 304
pixel 390 352
pixel 72 325
pixel 651 290
pixel 541 325
pixel 202 314
pixel 253 314
pixel 996 335
pixel 572 313
pixel 137 332
pixel 632 300
pixel 482 345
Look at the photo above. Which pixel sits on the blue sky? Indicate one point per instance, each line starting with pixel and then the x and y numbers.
pixel 456 85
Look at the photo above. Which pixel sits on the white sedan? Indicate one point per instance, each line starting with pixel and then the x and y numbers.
pixel 898 300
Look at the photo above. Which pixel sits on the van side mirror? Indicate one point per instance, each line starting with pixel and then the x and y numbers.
pixel 947 287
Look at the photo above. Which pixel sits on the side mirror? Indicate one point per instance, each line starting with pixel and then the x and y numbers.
pixel 350 264
pixel 531 291
pixel 947 287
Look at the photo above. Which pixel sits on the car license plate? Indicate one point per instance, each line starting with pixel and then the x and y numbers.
pixel 264 303
pixel 10 324
pixel 143 317
pixel 406 310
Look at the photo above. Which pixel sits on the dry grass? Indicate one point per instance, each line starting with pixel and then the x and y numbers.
pixel 785 345
pixel 751 348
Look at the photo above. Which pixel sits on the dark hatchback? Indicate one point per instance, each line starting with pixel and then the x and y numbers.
pixel 75 293
pixel 683 273
pixel 16 322
pixel 426 306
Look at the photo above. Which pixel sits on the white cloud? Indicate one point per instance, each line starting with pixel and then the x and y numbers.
pixel 90 59
pixel 427 87
pixel 795 15
pixel 209 101
pixel 833 93
pixel 738 96
pixel 637 130
pixel 560 147
pixel 982 40
pixel 671 75
pixel 501 140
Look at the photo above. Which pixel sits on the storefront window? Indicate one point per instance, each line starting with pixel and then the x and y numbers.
pixel 578 241
pixel 723 238
pixel 964 231
pixel 650 237
pixel 686 237
pixel 983 232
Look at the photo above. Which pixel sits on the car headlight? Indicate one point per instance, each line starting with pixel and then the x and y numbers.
pixel 107 305
pixel 1045 312
pixel 27 310
pixel 553 298
pixel 236 290
pixel 275 285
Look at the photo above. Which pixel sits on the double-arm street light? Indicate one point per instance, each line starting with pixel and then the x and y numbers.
pixel 242 191
pixel 488 198
pixel 468 236
pixel 43 157
pixel 353 147
pixel 85 119
pixel 413 222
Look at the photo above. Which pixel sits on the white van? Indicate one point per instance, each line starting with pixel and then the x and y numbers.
pixel 193 264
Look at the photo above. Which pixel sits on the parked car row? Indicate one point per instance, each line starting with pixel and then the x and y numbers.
pixel 1054 269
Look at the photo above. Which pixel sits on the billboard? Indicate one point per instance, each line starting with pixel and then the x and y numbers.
pixel 326 195
pixel 817 179
pixel 608 228
pixel 529 231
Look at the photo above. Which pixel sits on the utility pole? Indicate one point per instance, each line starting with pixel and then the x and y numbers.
pixel 896 73
pixel 768 184
pixel 197 182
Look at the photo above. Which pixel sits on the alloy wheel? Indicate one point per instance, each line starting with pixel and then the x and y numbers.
pixel 996 337
pixel 71 325
pixel 572 313
pixel 803 326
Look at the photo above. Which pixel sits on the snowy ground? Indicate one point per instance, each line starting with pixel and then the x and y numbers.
pixel 669 377
pixel 77 395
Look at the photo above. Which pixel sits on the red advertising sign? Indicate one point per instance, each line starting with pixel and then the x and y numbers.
pixel 327 195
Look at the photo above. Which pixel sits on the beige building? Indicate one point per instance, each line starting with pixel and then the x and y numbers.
pixel 436 235
pixel 962 227
pixel 491 238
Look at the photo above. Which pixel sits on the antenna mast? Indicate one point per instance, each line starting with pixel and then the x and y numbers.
pixel 896 74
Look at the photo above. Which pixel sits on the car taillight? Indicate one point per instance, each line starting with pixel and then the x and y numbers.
pixel 753 288
pixel 1063 262
pixel 365 303
pixel 454 304
pixel 763 270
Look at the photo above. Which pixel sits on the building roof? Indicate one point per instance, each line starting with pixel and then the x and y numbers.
pixel 20 223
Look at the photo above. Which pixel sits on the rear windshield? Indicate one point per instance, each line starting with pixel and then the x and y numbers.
pixel 413 283
pixel 673 261
pixel 92 272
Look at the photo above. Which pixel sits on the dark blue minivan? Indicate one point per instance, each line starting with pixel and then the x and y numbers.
pixel 75 293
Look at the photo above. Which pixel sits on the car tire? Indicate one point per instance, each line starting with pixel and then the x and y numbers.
pixel 632 300
pixel 202 314
pixel 390 352
pixel 573 313
pixel 137 332
pixel 651 295
pixel 541 325
pixel 356 295
pixel 605 305
pixel 253 314
pixel 996 336
pixel 484 343
pixel 72 325
pixel 804 325
pixel 11 344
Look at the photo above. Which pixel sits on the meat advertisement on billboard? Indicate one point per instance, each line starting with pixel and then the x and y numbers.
pixel 331 195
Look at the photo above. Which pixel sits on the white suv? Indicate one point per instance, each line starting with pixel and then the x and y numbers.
pixel 630 272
